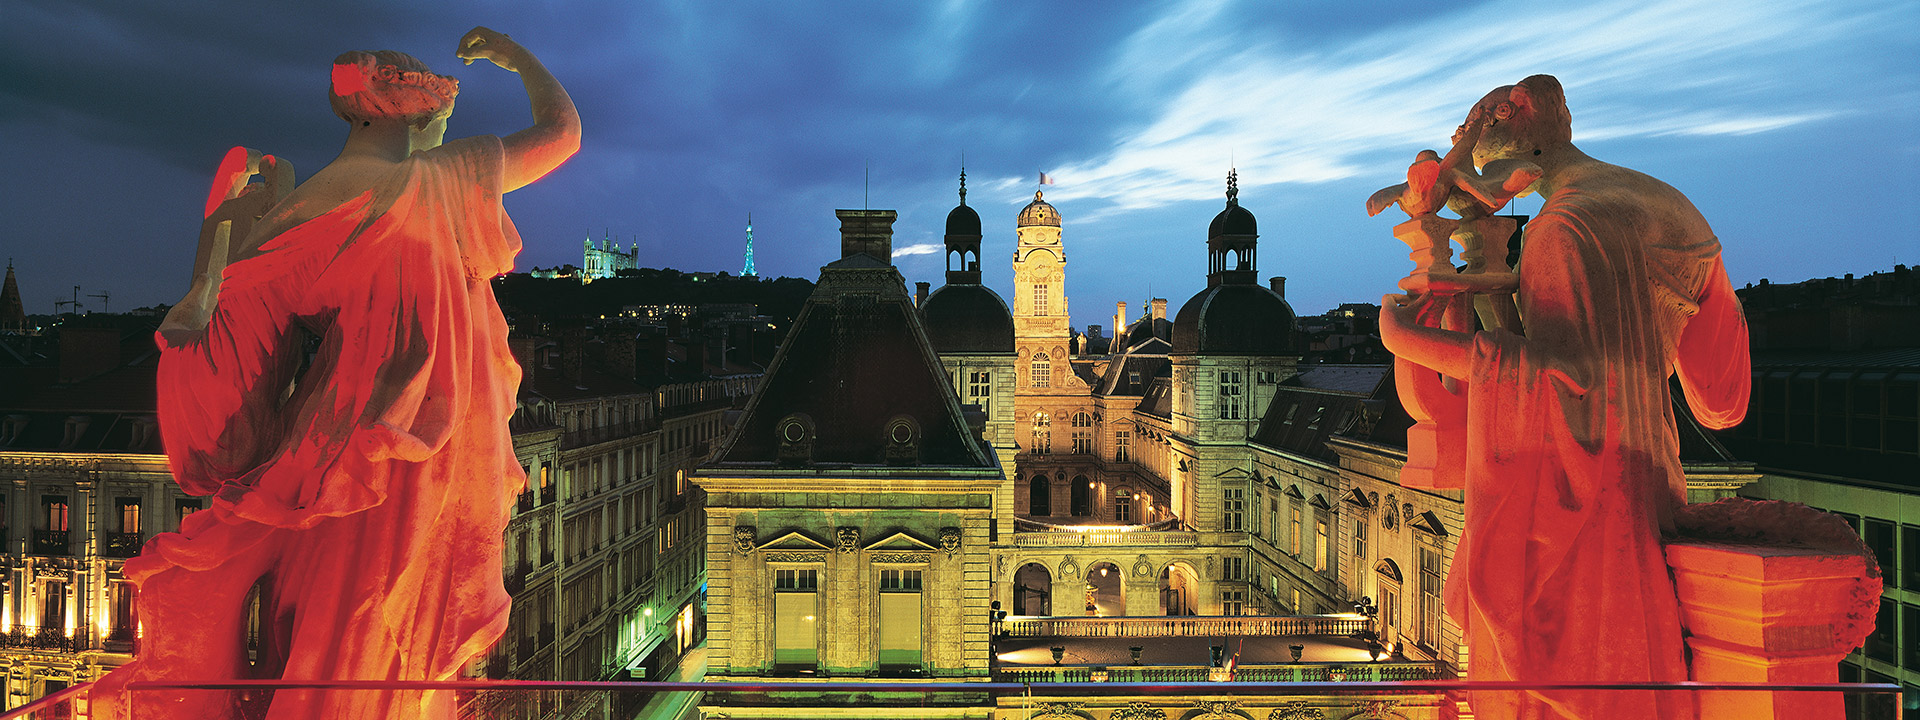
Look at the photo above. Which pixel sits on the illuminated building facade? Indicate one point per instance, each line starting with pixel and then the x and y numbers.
pixel 606 259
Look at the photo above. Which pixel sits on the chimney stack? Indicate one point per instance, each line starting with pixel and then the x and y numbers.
pixel 867 231
pixel 920 294
pixel 1159 308
pixel 1279 285
pixel 1119 318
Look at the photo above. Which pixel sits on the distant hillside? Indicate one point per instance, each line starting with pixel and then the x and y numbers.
pixel 523 295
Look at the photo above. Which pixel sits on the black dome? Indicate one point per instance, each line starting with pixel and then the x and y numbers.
pixel 1234 220
pixel 968 320
pixel 1142 330
pixel 1234 320
pixel 963 221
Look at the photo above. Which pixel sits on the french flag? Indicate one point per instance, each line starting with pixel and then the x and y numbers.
pixel 1046 179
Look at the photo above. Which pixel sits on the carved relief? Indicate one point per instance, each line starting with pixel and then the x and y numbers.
pixel 1069 568
pixel 743 539
pixel 1212 574
pixel 1138 711
pixel 1375 710
pixel 950 540
pixel 900 558
pixel 1296 710
pixel 1406 512
pixel 1142 568
pixel 1061 711
pixel 795 556
pixel 1388 518
pixel 849 539
pixel 1216 710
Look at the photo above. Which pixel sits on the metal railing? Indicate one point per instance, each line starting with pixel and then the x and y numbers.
pixel 1391 671
pixel 1106 538
pixel 122 545
pixel 1154 626
pixel 52 542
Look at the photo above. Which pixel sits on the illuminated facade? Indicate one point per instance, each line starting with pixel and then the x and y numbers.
pixel 606 259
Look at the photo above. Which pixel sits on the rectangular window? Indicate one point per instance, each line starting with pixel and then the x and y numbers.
pixel 183 508
pixel 1883 643
pixel 901 618
pixel 1293 538
pixel 1235 569
pixel 796 608
pixel 1910 636
pixel 1879 537
pixel 1229 405
pixel 1429 595
pixel 1123 507
pixel 129 512
pixel 1910 558
pixel 1122 442
pixel 1039 299
pixel 56 512
pixel 1233 509
pixel 1232 602
pixel 1319 546
pixel 980 390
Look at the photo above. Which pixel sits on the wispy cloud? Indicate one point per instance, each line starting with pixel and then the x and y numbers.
pixel 918 249
pixel 1288 113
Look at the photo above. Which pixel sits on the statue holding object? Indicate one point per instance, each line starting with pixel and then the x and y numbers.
pixel 1562 432
pixel 360 493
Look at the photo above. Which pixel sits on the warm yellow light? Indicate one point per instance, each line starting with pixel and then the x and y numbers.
pixel 647 612
pixel 809 618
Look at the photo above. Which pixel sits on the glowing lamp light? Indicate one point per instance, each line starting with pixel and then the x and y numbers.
pixel 808 618
pixel 1103 571
pixel 647 612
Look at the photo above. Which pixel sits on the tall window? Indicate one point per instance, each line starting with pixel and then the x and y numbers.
pixel 1359 548
pixel 1041 374
pixel 796 608
pixel 183 508
pixel 1235 568
pixel 1429 594
pixel 1123 506
pixel 900 617
pixel 1229 395
pixel 1081 496
pixel 1042 434
pixel 1232 602
pixel 1234 509
pixel 1319 545
pixel 1039 497
pixel 980 390
pixel 56 512
pixel 1293 538
pixel 1039 299
pixel 1083 433
pixel 1122 440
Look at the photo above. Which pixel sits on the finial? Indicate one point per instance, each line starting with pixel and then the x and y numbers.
pixel 1233 186
pixel 1036 196
pixel 963 185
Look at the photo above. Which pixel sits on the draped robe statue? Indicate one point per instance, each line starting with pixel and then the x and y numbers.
pixel 1573 467
pixel 361 487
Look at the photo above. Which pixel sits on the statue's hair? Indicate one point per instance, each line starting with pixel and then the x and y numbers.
pixel 385 85
pixel 1549 103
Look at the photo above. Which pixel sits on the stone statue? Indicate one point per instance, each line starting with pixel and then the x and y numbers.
pixel 363 488
pixel 1571 460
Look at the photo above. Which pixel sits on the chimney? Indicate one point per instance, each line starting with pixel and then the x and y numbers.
pixel 697 354
pixel 1279 285
pixel 1119 318
pixel 522 348
pixel 1159 308
pixel 919 294
pixel 867 231
pixel 573 353
pixel 653 361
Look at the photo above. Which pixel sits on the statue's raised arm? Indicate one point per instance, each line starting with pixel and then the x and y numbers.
pixel 555 135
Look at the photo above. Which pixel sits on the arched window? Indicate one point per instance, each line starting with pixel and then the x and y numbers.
pixel 1042 373
pixel 1040 497
pixel 1042 434
pixel 1082 497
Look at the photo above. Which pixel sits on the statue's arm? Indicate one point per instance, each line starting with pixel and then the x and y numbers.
pixel 1715 369
pixel 555 135
pixel 233 206
pixel 1449 352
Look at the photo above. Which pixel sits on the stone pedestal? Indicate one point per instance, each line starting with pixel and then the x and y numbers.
pixel 1771 614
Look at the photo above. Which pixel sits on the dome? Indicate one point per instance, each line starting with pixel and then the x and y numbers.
pixel 1039 212
pixel 1234 220
pixel 967 320
pixel 1141 330
pixel 1234 320
pixel 963 221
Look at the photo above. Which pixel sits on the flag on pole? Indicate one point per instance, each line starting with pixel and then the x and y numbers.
pixel 1046 179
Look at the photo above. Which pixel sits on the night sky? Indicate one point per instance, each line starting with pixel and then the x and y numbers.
pixel 1795 127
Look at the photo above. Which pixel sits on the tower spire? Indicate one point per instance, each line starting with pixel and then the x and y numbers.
pixel 748 270
pixel 1233 186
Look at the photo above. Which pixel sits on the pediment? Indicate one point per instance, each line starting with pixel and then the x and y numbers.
pixel 1354 497
pixel 1294 492
pixel 795 540
pixel 901 541
pixel 1428 523
pixel 1233 473
pixel 1319 501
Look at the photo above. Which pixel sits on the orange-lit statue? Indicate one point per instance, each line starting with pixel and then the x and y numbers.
pixel 1571 458
pixel 338 380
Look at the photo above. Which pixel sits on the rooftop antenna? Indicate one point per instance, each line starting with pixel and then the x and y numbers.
pixel 866 192
pixel 104 304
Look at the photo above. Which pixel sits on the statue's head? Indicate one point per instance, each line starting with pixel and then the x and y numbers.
pixel 386 86
pixel 1522 121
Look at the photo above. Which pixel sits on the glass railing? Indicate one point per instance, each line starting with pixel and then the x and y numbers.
pixel 518 700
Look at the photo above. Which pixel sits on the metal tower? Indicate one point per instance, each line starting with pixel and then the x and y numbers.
pixel 748 271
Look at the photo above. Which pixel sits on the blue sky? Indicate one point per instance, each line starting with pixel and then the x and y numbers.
pixel 1795 127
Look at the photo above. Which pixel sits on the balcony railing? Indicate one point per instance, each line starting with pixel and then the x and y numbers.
pixel 1145 627
pixel 51 637
pixel 52 542
pixel 1294 672
pixel 516 578
pixel 604 433
pixel 526 501
pixel 1106 538
pixel 123 545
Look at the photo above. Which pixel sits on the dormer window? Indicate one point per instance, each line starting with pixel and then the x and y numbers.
pixel 12 427
pixel 76 428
